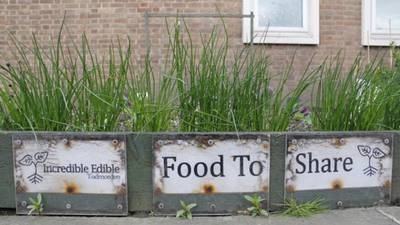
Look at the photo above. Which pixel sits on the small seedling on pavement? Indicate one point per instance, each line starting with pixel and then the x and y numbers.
pixel 36 206
pixel 186 211
pixel 256 208
pixel 295 209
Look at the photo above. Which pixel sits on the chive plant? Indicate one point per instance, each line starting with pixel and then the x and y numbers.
pixel 37 91
pixel 101 99
pixel 59 88
pixel 207 87
pixel 152 102
pixel 356 100
pixel 392 108
pixel 218 93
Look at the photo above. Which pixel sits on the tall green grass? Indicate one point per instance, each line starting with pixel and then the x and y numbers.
pixel 70 88
pixel 152 100
pixel 101 99
pixel 61 88
pixel 205 86
pixel 392 76
pixel 353 100
pixel 218 92
pixel 37 91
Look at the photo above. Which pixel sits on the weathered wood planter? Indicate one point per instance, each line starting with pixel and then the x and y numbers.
pixel 113 173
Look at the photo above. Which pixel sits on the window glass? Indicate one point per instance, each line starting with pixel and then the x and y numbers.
pixel 281 13
pixel 387 14
pixel 282 21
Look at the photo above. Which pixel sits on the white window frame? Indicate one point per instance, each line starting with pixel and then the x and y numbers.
pixel 370 35
pixel 308 34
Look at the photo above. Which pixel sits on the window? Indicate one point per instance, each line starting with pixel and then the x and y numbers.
pixel 381 22
pixel 282 21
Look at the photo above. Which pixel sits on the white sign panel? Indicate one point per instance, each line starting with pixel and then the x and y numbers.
pixel 211 166
pixel 70 166
pixel 333 163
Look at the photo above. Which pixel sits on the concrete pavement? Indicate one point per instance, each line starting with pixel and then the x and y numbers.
pixel 362 216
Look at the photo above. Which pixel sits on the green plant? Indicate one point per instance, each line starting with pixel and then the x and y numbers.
pixel 36 205
pixel 203 87
pixel 37 92
pixel 256 208
pixel 151 108
pixel 186 211
pixel 301 120
pixel 293 208
pixel 1 119
pixel 356 100
pixel 224 90
pixel 59 87
pixel 101 101
pixel 392 75
pixel 63 88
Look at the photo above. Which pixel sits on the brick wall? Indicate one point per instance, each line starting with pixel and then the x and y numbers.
pixel 105 20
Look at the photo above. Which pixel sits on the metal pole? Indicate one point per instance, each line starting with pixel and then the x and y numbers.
pixel 251 27
pixel 147 31
pixel 148 15
pixel 198 15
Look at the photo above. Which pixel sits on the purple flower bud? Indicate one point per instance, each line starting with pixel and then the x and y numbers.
pixel 305 110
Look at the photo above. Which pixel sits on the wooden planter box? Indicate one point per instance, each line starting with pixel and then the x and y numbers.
pixel 215 170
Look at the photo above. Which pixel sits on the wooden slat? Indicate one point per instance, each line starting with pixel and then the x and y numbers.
pixel 277 171
pixel 139 151
pixel 395 195
pixel 7 191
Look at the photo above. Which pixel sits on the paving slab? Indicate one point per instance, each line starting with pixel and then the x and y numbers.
pixel 360 216
pixel 391 212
